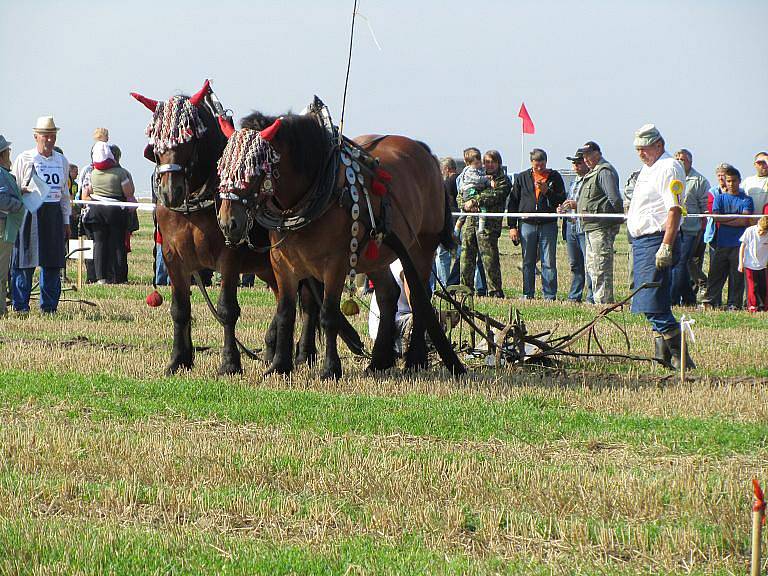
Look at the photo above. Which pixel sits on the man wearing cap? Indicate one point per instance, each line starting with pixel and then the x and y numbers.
pixel 691 230
pixel 653 221
pixel 539 190
pixel 756 187
pixel 573 233
pixel 11 214
pixel 600 195
pixel 42 237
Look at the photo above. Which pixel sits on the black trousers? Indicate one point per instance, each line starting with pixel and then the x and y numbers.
pixel 724 265
pixel 108 228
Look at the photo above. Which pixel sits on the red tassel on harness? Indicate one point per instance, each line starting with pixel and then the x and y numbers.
pixel 372 250
pixel 269 132
pixel 378 188
pixel 382 174
pixel 226 126
pixel 154 299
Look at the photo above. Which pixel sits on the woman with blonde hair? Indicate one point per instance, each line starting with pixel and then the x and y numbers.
pixel 753 262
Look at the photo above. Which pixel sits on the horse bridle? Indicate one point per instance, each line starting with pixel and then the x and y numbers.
pixel 191 202
pixel 250 205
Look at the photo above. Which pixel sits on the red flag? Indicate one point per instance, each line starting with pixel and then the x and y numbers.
pixel 528 127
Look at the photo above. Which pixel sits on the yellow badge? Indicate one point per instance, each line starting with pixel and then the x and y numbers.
pixel 677 188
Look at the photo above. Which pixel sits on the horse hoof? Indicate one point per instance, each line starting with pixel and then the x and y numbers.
pixel 416 366
pixel 174 367
pixel 331 373
pixel 278 369
pixel 373 368
pixel 229 370
pixel 310 359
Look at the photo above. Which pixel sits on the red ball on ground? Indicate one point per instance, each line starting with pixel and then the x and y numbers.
pixel 154 299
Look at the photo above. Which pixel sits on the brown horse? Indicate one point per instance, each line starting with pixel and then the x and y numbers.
pixel 185 143
pixel 291 174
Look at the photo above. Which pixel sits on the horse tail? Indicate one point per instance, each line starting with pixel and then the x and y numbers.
pixel 447 238
pixel 420 303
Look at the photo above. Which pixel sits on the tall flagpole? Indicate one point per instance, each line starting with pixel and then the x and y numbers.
pixel 522 150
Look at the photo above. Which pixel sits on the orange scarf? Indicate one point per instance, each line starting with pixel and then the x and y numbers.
pixel 540 182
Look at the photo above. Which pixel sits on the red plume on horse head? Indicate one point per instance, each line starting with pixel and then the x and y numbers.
pixel 227 128
pixel 270 131
pixel 197 97
pixel 149 103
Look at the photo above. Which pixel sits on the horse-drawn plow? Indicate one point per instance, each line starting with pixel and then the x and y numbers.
pixel 483 340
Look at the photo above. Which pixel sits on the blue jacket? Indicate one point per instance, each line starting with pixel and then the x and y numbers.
pixel 11 206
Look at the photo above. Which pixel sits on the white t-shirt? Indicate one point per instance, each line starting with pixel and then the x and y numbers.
pixel 757 188
pixel 755 249
pixel 652 197
pixel 403 307
pixel 54 171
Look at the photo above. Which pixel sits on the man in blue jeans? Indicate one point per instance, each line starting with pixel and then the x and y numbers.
pixel 691 230
pixel 42 238
pixel 537 190
pixel 575 238
pixel 654 221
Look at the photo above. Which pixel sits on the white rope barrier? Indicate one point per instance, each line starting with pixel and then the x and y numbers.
pixel 571 215
pixel 144 206
pixel 149 207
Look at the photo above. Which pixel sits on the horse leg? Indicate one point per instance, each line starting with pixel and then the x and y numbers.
pixel 387 293
pixel 416 355
pixel 330 318
pixel 270 340
pixel 229 311
pixel 183 354
pixel 284 320
pixel 307 347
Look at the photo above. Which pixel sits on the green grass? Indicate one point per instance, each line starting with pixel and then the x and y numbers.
pixel 65 547
pixel 528 418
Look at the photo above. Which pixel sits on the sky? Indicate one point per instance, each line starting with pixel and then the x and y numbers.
pixel 450 73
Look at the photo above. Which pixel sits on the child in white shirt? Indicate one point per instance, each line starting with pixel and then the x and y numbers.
pixel 753 261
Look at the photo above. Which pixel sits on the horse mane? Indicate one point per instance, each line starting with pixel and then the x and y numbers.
pixel 303 136
pixel 211 144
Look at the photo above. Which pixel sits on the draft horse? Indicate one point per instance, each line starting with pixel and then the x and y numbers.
pixel 334 209
pixel 185 143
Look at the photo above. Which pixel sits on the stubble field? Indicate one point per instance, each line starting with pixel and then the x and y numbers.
pixel 598 467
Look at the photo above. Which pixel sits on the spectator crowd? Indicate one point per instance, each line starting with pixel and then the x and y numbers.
pixel 735 241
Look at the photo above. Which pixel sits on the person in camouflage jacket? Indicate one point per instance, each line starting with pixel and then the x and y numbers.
pixel 481 234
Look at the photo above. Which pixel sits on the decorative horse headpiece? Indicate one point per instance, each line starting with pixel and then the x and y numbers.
pixel 175 121
pixel 248 153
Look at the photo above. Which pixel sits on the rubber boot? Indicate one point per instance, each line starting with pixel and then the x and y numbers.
pixel 662 355
pixel 673 340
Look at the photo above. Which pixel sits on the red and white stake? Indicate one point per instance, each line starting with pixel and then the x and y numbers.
pixel 758 518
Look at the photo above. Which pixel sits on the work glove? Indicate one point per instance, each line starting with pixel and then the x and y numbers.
pixel 664 256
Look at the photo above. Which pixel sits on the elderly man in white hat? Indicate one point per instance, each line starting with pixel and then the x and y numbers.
pixel 11 214
pixel 42 238
pixel 654 221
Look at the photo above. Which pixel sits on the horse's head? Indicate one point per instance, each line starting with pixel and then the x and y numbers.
pixel 247 169
pixel 184 143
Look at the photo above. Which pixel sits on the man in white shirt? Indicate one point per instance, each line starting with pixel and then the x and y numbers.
pixel 403 315
pixel 43 234
pixel 756 187
pixel 654 222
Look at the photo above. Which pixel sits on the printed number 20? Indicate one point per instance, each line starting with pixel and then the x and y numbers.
pixel 51 178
